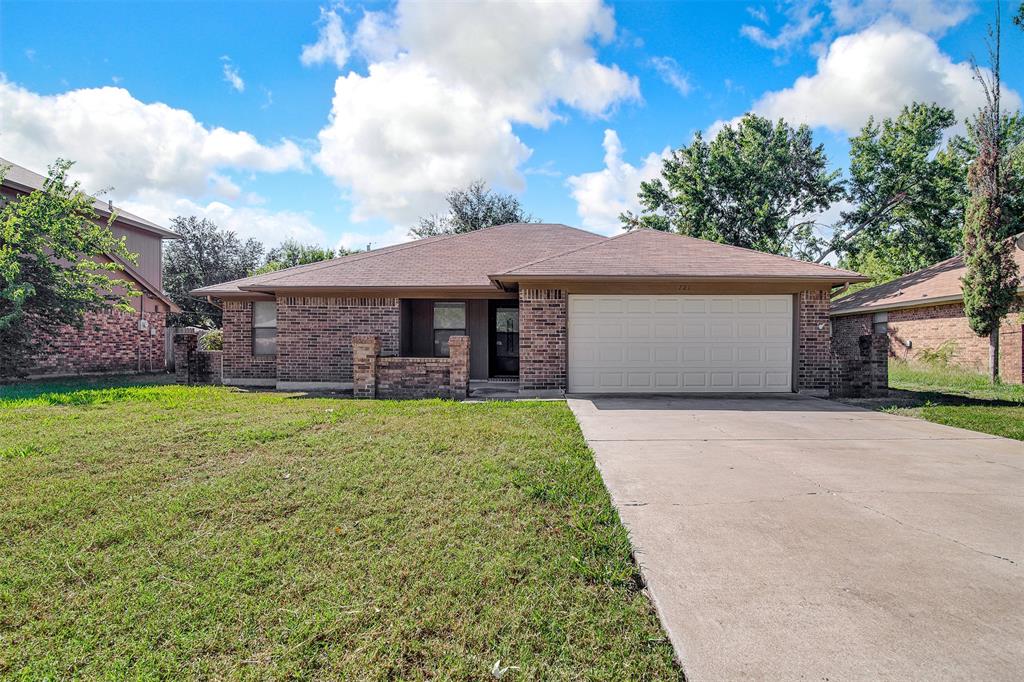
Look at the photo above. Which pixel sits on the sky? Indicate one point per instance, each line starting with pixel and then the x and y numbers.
pixel 340 124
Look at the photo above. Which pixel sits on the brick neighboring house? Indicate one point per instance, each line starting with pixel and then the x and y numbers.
pixel 111 341
pixel 551 307
pixel 924 310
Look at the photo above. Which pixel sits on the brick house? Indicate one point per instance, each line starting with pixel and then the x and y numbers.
pixel 924 311
pixel 111 341
pixel 548 307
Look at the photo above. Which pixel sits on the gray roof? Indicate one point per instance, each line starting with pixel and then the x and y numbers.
pixel 25 180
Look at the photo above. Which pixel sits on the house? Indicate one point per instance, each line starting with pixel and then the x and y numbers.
pixel 548 307
pixel 111 341
pixel 924 311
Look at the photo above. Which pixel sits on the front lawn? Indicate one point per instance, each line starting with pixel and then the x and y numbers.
pixel 201 532
pixel 952 396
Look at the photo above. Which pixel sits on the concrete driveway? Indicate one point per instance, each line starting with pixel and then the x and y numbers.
pixel 795 538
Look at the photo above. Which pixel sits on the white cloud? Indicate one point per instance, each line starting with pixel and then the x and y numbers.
pixel 357 241
pixel 376 38
pixel 668 69
pixel 432 114
pixel 231 75
pixel 806 18
pixel 400 138
pixel 877 72
pixel 602 195
pixel 118 141
pixel 331 44
pixel 269 227
pixel 801 20
pixel 934 17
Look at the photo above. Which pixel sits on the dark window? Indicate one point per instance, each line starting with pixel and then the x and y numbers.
pixel 880 323
pixel 264 328
pixel 449 320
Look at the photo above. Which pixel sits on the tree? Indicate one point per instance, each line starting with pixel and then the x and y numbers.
pixel 204 255
pixel 292 252
pixel 754 185
pixel 1019 19
pixel 991 279
pixel 470 209
pixel 55 256
pixel 908 192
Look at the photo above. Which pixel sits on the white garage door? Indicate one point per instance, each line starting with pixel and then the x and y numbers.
pixel 637 344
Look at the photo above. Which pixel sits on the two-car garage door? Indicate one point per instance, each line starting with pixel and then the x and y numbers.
pixel 655 344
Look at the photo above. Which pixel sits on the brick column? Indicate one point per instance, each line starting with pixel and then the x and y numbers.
pixel 365 351
pixel 543 340
pixel 861 371
pixel 458 355
pixel 878 358
pixel 813 342
pixel 186 349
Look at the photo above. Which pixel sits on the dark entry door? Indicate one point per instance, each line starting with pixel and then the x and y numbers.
pixel 504 339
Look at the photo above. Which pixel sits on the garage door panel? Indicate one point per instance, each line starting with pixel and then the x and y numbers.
pixel 664 330
pixel 695 330
pixel 680 343
pixel 695 379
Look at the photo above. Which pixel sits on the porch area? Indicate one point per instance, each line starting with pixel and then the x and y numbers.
pixel 491 324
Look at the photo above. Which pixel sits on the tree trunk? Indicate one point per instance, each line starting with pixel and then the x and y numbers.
pixel 993 356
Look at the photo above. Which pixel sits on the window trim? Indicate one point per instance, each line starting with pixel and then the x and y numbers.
pixel 262 327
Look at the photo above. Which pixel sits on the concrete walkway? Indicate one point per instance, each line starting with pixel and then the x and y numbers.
pixel 795 538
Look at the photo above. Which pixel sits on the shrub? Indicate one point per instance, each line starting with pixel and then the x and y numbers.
pixel 212 340
pixel 939 356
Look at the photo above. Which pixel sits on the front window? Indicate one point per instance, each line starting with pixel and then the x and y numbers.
pixel 449 320
pixel 264 328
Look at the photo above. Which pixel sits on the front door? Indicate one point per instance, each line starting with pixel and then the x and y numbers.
pixel 504 338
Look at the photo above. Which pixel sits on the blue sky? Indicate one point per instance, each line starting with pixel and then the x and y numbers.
pixel 340 123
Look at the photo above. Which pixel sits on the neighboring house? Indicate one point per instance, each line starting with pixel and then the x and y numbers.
pixel 924 311
pixel 111 341
pixel 549 306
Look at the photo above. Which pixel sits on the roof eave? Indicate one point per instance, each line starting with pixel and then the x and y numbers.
pixel 900 305
pixel 163 233
pixel 833 279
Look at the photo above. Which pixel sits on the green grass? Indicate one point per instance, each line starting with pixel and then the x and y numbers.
pixel 166 532
pixel 952 381
pixel 956 397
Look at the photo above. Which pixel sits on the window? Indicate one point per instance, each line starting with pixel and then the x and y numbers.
pixel 880 323
pixel 449 320
pixel 264 328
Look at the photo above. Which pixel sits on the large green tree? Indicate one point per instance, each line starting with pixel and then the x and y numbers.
pixel 55 267
pixel 204 255
pixel 991 279
pixel 292 252
pixel 755 185
pixel 471 208
pixel 908 190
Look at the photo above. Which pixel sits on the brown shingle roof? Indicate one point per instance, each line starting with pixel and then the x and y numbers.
pixel 448 261
pixel 651 254
pixel 939 283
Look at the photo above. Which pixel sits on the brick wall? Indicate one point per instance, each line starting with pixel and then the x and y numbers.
pixel 194 366
pixel 404 377
pixel 238 359
pixel 314 334
pixel 929 327
pixel 110 342
pixel 814 362
pixel 846 330
pixel 860 369
pixel 543 339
